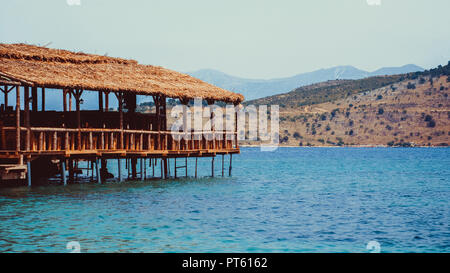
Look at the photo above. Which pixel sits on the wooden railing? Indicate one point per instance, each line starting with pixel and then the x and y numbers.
pixel 39 139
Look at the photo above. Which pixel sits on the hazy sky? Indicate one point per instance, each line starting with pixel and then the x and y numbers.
pixel 248 38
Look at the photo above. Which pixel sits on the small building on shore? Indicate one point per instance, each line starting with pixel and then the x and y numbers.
pixel 32 136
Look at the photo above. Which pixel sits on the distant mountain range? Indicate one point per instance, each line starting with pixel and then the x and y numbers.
pixel 253 89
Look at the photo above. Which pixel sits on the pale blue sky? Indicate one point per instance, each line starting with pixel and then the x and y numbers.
pixel 247 38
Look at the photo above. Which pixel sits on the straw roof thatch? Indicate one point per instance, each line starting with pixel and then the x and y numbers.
pixel 53 68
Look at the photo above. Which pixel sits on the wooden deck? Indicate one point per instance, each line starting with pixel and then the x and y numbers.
pixel 116 143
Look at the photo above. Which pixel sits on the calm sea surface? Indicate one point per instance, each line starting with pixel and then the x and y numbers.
pixel 291 200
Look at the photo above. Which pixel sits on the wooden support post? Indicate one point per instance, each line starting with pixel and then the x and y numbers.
pixel 6 96
pixel 196 158
pixel 166 176
pixel 63 171
pixel 120 98
pixel 34 98
pixel 65 100
pixel 70 100
pixel 106 101
pixel 162 171
pixel 145 168
pixel 97 166
pixel 43 99
pixel 185 161
pixel 77 98
pixel 153 167
pixel 71 173
pixel 29 173
pixel 27 116
pixel 100 101
pixel 17 119
pixel 222 164
pixel 142 169
pixel 119 168
pixel 212 167
pixel 229 169
pixel 236 129
pixel 175 167
pixel 133 168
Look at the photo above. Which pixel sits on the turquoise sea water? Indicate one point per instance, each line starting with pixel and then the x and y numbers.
pixel 291 200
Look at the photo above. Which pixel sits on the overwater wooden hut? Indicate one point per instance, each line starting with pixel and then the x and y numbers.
pixel 32 137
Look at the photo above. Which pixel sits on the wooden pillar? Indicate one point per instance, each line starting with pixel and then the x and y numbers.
pixel 34 99
pixel 43 99
pixel 27 116
pixel 212 166
pixel 196 158
pixel 120 99
pixel 222 164
pixel 97 167
pixel 229 169
pixel 175 167
pixel 100 101
pixel 119 168
pixel 17 119
pixel 142 169
pixel 153 166
pixel 166 176
pixel 63 171
pixel 29 173
pixel 162 171
pixel 6 96
pixel 70 100
pixel 236 128
pixel 65 100
pixel 186 165
pixel 134 168
pixel 106 101
pixel 77 101
pixel 71 173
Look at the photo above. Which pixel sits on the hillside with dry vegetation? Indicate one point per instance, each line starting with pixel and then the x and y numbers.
pixel 403 110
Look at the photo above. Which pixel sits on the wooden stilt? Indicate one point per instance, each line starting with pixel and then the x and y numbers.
pixel 29 173
pixel 71 174
pixel 175 167
pixel 222 164
pixel 145 168
pixel 92 170
pixel 119 168
pixel 196 167
pixel 63 172
pixel 153 167
pixel 229 169
pixel 166 175
pixel 162 172
pixel 142 170
pixel 185 161
pixel 97 166
pixel 212 166
pixel 133 168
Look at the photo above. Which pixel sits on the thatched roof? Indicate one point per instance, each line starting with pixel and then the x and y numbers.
pixel 53 68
